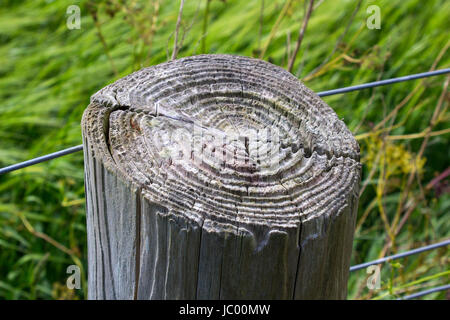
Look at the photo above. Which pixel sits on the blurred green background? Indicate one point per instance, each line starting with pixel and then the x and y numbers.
pixel 48 73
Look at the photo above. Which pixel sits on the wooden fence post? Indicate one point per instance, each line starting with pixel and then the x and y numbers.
pixel 217 177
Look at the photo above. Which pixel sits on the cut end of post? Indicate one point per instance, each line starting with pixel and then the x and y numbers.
pixel 231 156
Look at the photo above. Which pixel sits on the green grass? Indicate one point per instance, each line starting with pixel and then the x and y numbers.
pixel 48 73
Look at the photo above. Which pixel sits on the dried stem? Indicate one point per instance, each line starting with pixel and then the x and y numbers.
pixel 433 122
pixel 275 27
pixel 205 26
pixel 97 24
pixel 261 22
pixel 338 42
pixel 43 236
pixel 301 34
pixel 177 31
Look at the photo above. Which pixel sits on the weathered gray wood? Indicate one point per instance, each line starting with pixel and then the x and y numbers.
pixel 217 177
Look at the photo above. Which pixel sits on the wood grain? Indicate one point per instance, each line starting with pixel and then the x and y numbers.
pixel 217 177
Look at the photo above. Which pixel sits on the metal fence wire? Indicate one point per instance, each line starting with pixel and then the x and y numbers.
pixel 70 150
pixel 368 85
